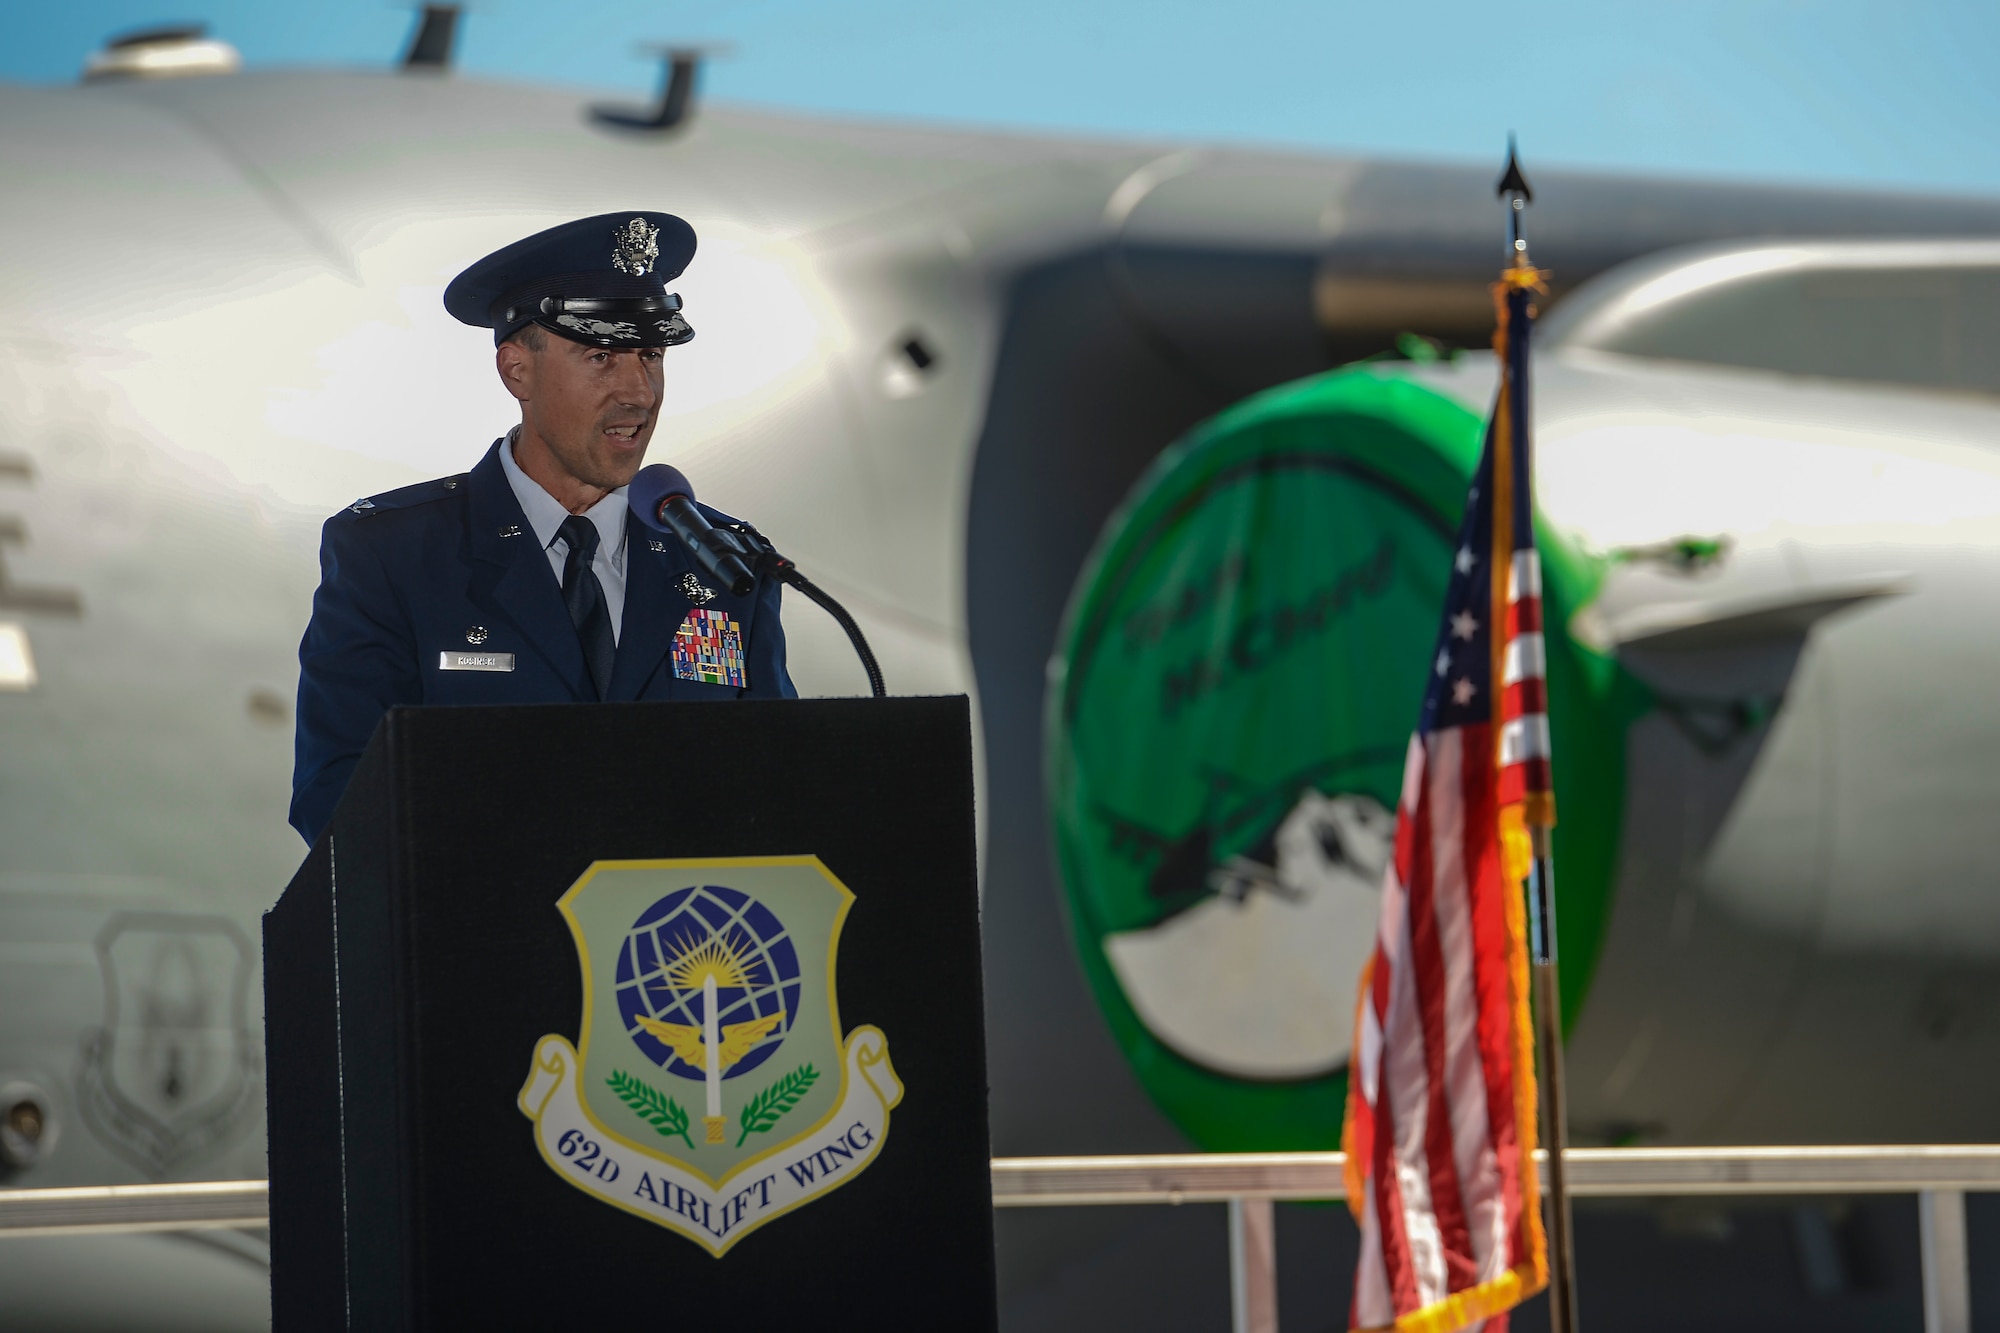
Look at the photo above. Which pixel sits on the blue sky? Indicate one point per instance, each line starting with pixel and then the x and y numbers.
pixel 1865 92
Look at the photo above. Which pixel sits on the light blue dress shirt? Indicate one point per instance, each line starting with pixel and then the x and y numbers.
pixel 545 517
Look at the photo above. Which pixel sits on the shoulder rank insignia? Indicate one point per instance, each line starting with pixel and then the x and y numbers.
pixel 634 247
pixel 711 1087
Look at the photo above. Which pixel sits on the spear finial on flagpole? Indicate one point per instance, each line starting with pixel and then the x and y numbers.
pixel 1513 187
pixel 1537 809
pixel 1512 180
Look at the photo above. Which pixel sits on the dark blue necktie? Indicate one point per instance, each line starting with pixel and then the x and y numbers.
pixel 584 596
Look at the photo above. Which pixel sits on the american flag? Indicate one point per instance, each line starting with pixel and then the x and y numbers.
pixel 1440 1132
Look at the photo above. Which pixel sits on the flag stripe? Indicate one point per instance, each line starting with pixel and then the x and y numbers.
pixel 1432 990
pixel 1393 1219
pixel 1524 697
pixel 1463 1076
pixel 1374 1305
pixel 1496 1008
pixel 1524 579
pixel 1390 1216
pixel 1524 738
pixel 1523 659
pixel 1406 1080
pixel 1524 616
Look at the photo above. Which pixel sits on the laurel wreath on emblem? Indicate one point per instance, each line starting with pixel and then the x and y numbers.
pixel 634 247
pixel 769 1106
pixel 651 1105
pixel 670 1120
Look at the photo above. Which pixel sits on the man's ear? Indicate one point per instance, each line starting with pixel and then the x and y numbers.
pixel 516 365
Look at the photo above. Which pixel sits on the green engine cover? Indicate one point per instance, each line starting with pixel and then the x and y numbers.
pixel 1239 672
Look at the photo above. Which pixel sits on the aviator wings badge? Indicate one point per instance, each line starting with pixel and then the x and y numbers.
pixel 711 1088
pixel 634 247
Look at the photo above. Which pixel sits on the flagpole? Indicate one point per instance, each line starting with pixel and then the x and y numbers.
pixel 1540 886
pixel 1555 1134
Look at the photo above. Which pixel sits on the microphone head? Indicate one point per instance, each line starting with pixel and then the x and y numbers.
pixel 651 487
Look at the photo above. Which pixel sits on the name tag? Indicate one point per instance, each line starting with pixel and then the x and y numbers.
pixel 450 661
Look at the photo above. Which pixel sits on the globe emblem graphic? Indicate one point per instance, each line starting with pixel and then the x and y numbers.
pixel 701 946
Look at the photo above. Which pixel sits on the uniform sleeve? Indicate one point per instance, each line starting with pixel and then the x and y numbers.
pixel 768 677
pixel 356 661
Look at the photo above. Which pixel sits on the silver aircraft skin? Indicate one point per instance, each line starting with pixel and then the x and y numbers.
pixel 1805 940
pixel 928 365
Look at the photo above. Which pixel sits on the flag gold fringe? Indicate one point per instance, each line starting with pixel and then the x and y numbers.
pixel 1469 1306
pixel 1516 849
pixel 1517 852
pixel 1526 1098
pixel 1354 1171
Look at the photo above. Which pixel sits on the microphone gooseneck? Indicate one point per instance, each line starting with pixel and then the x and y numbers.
pixel 788 573
pixel 734 555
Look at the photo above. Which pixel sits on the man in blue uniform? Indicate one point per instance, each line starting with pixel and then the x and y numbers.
pixel 526 580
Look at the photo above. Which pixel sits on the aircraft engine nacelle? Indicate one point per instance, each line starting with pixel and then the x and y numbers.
pixel 1240 674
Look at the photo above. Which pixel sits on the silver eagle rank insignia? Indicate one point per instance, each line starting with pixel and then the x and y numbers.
pixel 634 247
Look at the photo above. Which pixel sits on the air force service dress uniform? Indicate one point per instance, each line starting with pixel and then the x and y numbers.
pixel 445 592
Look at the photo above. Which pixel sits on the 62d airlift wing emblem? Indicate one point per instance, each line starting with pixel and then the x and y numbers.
pixel 711 1088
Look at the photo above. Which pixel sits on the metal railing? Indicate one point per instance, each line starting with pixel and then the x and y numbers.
pixel 1250 1184
pixel 208 1205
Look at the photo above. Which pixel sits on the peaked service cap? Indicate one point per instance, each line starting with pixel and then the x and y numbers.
pixel 600 280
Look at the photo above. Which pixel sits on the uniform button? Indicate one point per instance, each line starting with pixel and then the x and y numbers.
pixel 475 635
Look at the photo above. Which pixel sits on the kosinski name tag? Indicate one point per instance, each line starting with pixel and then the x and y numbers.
pixel 450 661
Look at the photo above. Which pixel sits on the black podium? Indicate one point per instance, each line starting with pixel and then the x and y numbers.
pixel 652 1012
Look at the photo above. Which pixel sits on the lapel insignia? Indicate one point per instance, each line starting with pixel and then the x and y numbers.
pixel 655 544
pixel 696 593
pixel 511 530
pixel 634 247
pixel 712 1087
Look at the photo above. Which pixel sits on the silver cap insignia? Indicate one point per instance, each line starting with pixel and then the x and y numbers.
pixel 634 247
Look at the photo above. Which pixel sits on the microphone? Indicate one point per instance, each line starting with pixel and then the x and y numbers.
pixel 664 501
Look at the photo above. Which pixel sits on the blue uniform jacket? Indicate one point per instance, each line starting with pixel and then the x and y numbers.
pixel 452 566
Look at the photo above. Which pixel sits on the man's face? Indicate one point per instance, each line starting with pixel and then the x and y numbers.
pixel 594 406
